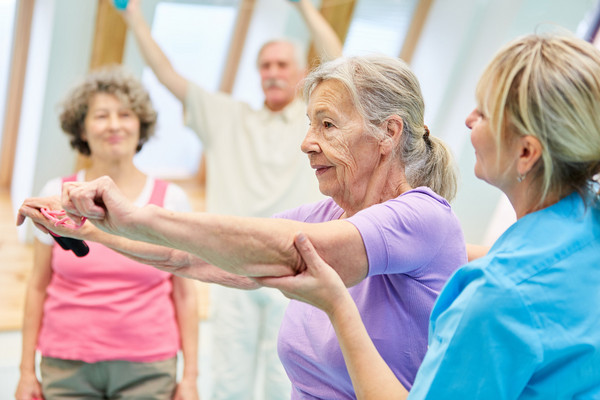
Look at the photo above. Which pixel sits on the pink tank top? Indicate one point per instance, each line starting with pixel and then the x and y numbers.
pixel 106 306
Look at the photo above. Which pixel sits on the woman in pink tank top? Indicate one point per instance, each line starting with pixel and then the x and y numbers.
pixel 105 325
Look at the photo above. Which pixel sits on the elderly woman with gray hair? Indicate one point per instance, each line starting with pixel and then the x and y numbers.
pixel 386 228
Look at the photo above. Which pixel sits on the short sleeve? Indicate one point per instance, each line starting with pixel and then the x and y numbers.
pixel 404 234
pixel 483 344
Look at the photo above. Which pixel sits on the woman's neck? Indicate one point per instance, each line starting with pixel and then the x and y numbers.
pixel 126 176
pixel 525 199
pixel 380 188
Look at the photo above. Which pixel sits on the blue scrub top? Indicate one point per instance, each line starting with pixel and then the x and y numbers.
pixel 523 322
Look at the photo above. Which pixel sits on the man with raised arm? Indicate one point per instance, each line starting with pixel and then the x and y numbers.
pixel 254 168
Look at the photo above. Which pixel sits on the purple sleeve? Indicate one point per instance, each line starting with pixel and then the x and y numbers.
pixel 404 234
pixel 320 211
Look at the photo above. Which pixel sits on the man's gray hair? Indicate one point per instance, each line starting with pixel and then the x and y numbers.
pixel 299 53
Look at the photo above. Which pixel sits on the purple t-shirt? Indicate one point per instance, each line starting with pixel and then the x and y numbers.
pixel 414 243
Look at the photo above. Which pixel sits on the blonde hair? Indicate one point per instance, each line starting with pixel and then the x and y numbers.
pixel 381 87
pixel 548 86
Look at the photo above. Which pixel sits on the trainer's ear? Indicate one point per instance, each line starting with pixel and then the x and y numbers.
pixel 530 151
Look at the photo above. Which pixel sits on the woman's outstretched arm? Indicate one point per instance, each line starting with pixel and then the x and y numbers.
pixel 244 246
pixel 177 262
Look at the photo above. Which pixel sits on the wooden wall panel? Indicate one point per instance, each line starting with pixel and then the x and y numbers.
pixel 236 47
pixel 109 36
pixel 339 16
pixel 415 29
pixel 14 98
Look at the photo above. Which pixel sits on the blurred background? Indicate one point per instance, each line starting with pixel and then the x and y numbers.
pixel 48 45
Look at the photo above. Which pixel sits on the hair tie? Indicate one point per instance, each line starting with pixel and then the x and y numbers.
pixel 426 137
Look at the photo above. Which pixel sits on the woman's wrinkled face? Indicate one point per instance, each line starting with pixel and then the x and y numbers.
pixel 112 129
pixel 339 149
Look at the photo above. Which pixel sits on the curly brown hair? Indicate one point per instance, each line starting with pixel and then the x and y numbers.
pixel 112 80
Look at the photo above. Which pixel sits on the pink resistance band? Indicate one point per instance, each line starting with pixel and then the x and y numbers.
pixel 77 246
pixel 53 215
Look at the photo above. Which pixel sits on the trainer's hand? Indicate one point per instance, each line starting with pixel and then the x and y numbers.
pixel 102 203
pixel 318 285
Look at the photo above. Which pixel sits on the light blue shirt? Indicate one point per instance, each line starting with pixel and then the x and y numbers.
pixel 522 322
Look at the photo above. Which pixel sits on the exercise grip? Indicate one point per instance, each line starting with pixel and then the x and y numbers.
pixel 77 246
pixel 120 4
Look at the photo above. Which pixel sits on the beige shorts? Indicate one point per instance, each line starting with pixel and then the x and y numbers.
pixel 62 379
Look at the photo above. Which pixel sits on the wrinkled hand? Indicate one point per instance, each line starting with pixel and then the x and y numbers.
pixel 101 202
pixel 31 209
pixel 318 285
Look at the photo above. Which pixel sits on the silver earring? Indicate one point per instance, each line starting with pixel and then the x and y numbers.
pixel 520 177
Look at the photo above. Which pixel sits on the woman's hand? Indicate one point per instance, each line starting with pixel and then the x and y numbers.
pixel 102 203
pixel 28 388
pixel 31 208
pixel 187 389
pixel 318 284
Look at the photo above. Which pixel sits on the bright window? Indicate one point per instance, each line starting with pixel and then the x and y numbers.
pixel 379 26
pixel 195 38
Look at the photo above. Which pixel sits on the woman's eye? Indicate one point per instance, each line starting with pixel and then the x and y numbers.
pixel 327 124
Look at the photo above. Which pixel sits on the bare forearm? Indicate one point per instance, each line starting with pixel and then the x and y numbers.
pixel 177 262
pixel 186 309
pixel 371 376
pixel 155 57
pixel 41 274
pixel 243 246
pixel 326 41
pixel 205 272
pixel 250 246
pixel 32 321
